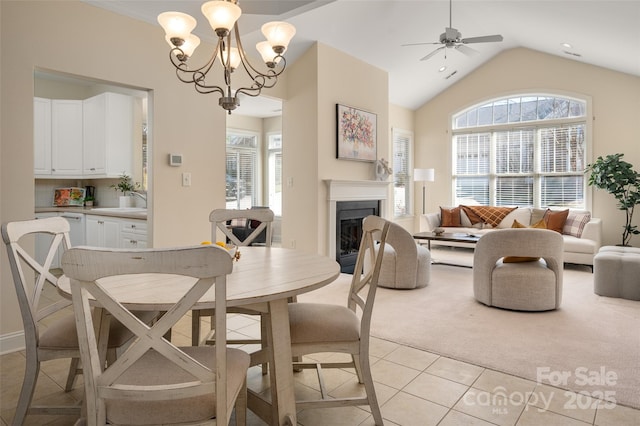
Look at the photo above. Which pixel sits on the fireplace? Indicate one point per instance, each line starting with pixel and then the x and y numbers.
pixel 373 192
pixel 349 216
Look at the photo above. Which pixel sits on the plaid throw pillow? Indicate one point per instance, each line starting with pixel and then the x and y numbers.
pixel 575 224
pixel 489 214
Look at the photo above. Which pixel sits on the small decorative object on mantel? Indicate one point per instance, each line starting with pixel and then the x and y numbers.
pixel 382 170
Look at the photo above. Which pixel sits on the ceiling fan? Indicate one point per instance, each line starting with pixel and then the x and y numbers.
pixel 452 38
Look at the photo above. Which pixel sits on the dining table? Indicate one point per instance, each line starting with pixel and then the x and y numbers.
pixel 264 279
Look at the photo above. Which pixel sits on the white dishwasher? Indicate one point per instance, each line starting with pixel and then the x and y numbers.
pixel 76 235
pixel 76 228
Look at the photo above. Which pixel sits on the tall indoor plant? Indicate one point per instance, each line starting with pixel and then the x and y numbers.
pixel 618 178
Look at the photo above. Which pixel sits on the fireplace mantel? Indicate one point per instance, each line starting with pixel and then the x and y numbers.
pixel 352 190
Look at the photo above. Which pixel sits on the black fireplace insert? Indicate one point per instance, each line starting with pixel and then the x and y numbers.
pixel 349 216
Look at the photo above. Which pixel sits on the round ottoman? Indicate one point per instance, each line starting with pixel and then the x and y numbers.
pixel 616 272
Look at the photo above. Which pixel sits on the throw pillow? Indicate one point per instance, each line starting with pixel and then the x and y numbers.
pixel 473 217
pixel 575 223
pixel 555 220
pixel 491 215
pixel 537 215
pixel 517 259
pixel 450 217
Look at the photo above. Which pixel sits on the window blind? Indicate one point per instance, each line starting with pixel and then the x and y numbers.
pixel 402 142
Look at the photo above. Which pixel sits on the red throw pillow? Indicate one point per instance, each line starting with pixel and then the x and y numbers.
pixel 555 219
pixel 450 217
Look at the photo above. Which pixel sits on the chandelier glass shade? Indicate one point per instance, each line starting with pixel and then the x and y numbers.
pixel 222 16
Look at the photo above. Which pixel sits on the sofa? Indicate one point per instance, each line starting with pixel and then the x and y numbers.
pixel 582 234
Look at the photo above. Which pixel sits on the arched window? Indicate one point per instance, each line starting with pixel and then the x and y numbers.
pixel 522 150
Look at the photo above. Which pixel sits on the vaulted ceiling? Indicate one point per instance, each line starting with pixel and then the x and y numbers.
pixel 605 33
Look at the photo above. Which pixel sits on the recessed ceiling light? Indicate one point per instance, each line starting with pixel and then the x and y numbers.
pixel 566 45
pixel 442 68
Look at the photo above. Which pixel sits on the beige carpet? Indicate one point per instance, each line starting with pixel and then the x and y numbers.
pixel 589 334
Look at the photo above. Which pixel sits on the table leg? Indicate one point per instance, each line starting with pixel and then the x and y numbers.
pixel 280 368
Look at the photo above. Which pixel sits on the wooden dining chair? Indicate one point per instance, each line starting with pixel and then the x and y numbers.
pixel 317 328
pixel 222 220
pixel 154 382
pixel 57 339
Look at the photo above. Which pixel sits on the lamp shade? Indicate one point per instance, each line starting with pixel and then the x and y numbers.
pixel 189 45
pixel 222 15
pixel 266 51
pixel 278 34
pixel 177 25
pixel 423 175
pixel 234 57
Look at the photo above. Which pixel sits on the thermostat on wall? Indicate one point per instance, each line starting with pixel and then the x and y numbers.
pixel 175 160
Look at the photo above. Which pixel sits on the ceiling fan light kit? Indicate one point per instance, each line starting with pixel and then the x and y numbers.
pixel 222 16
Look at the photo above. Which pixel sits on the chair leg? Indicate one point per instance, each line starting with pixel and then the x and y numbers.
pixel 356 365
pixel 365 369
pixel 263 338
pixel 31 371
pixel 195 328
pixel 241 406
pixel 73 372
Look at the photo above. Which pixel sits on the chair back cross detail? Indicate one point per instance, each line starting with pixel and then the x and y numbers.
pixel 220 217
pixel 153 379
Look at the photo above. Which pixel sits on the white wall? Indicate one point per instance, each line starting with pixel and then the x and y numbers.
pixel 615 126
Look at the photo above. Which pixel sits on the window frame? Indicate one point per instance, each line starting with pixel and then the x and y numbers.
pixel 256 196
pixel 268 153
pixel 409 190
pixel 537 125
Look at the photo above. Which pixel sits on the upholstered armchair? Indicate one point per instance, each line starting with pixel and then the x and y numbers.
pixel 519 269
pixel 405 265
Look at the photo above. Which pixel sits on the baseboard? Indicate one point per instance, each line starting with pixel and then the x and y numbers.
pixel 11 342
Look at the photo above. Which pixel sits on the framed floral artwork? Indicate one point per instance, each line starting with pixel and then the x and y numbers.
pixel 357 134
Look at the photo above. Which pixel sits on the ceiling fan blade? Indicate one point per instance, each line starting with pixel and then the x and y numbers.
pixel 418 44
pixel 466 50
pixel 482 39
pixel 432 53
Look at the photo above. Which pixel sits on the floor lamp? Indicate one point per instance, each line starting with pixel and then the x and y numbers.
pixel 423 175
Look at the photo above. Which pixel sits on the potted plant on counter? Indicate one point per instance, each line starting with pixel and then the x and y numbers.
pixel 619 179
pixel 88 201
pixel 126 186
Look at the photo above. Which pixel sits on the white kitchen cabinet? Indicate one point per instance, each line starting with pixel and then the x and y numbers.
pixel 102 231
pixel 108 135
pixel 133 233
pixel 66 137
pixel 113 232
pixel 42 136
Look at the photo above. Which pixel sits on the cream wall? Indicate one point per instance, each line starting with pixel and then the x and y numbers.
pixel 615 125
pixel 310 154
pixel 76 38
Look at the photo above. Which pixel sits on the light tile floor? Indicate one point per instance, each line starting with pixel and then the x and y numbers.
pixel 414 387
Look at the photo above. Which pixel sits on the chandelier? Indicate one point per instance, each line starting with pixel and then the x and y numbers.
pixel 222 16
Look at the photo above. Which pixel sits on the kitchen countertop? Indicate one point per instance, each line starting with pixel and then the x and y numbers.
pixel 89 210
